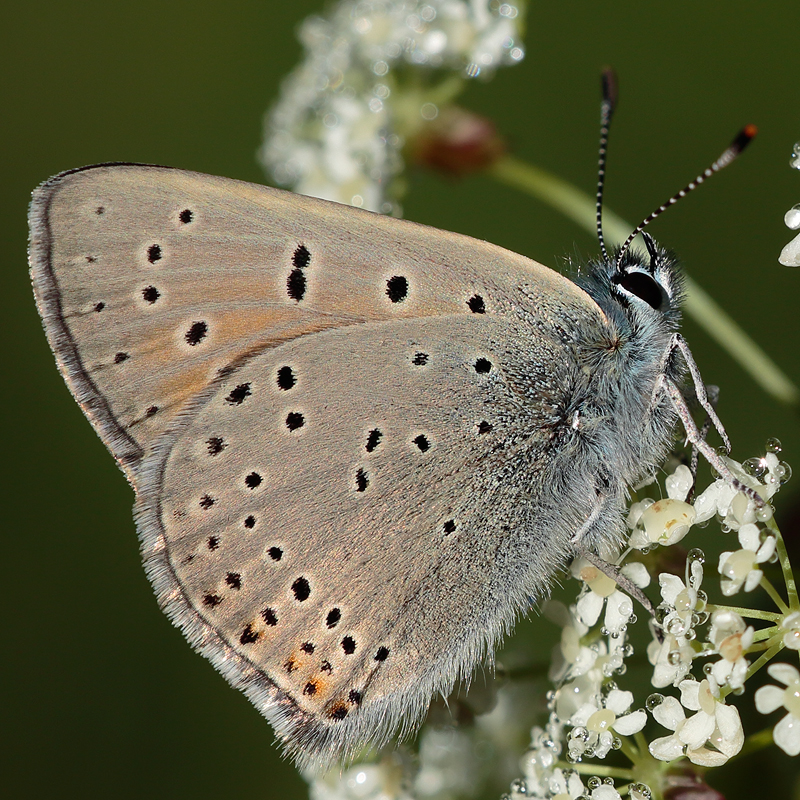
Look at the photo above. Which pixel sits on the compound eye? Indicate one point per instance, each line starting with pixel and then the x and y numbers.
pixel 644 287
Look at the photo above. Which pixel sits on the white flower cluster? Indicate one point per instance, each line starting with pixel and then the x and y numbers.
pixel 345 112
pixel 790 255
pixel 590 715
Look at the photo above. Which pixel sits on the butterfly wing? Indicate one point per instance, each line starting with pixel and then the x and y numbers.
pixel 334 422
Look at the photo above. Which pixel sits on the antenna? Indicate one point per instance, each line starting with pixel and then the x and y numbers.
pixel 609 83
pixel 743 138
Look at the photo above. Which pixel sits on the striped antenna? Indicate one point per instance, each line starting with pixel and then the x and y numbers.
pixel 609 82
pixel 743 138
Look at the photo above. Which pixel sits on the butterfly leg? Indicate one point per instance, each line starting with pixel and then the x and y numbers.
pixel 694 461
pixel 695 438
pixel 605 567
pixel 679 343
pixel 612 571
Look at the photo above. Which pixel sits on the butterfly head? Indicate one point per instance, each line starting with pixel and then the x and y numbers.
pixel 637 287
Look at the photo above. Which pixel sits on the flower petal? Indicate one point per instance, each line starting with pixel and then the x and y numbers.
pixel 731 733
pixel 667 748
pixel 690 694
pixel 753 579
pixel 768 698
pixel 637 572
pixel 619 608
pixel 696 731
pixel 749 537
pixel 671 587
pixel 589 607
pixel 766 550
pixel 581 716
pixel 630 723
pixel 787 735
pixel 669 713
pixel 785 673
pixel 706 758
pixel 619 701
pixel 605 792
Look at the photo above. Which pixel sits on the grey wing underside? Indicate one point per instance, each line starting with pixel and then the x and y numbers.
pixel 281 375
pixel 367 559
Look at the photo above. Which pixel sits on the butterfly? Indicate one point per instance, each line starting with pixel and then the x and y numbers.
pixel 360 446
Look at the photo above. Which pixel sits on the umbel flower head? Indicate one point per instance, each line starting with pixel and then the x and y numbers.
pixel 709 737
pixel 374 72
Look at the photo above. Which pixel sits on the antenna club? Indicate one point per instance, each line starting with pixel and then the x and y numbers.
pixel 744 137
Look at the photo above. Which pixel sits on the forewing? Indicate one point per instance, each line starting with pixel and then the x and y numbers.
pixel 153 280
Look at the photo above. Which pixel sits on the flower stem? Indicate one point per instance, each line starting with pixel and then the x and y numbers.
pixel 601 770
pixel 763 659
pixel 773 593
pixel 762 638
pixel 580 207
pixel 749 613
pixel 786 566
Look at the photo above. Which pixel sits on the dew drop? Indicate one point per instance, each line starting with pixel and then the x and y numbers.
pixel 654 701
pixel 696 554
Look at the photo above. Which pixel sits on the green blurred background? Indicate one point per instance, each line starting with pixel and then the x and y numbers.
pixel 102 695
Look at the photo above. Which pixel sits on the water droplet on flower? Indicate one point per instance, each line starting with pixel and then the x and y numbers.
pixel 616 743
pixel 707 669
pixel 594 783
pixel 787 472
pixel 755 467
pixel 674 657
pixel 639 791
pixel 676 627
pixel 696 554
pixel 580 733
pixel 654 701
pixel 774 445
pixel 764 514
pixel 519 787
pixel 794 161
